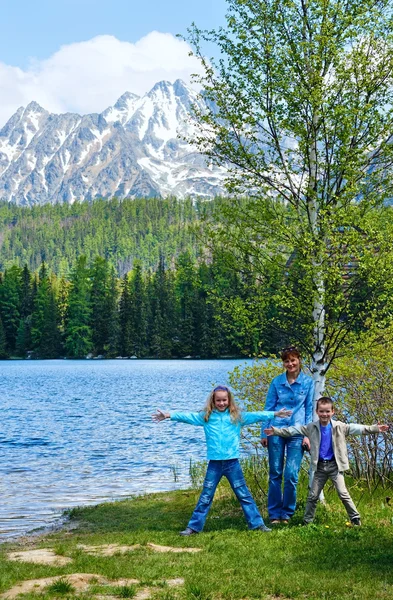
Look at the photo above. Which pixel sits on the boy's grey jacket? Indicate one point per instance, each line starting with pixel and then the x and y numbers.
pixel 339 433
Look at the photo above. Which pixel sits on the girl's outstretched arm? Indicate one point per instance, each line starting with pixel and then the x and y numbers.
pixel 159 415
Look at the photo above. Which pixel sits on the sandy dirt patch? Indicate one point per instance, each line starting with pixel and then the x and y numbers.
pixel 158 548
pixel 42 556
pixel 108 549
pixel 81 582
pixel 111 549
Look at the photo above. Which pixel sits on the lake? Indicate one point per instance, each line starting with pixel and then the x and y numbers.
pixel 80 432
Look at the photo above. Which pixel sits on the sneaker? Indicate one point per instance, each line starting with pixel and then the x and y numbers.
pixel 284 521
pixel 262 528
pixel 275 522
pixel 356 522
pixel 188 531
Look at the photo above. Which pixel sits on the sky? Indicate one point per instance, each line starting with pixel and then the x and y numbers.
pixel 82 55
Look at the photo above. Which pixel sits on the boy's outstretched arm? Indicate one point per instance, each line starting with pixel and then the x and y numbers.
pixel 159 415
pixel 383 428
pixel 357 429
pixel 286 431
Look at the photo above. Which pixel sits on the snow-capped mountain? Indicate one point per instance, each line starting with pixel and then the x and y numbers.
pixel 132 149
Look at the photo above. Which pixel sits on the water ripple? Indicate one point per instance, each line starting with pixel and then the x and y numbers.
pixel 80 432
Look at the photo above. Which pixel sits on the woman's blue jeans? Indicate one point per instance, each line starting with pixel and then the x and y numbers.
pixel 232 470
pixel 282 504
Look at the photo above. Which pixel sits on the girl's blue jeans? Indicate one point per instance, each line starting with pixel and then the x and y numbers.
pixel 232 470
pixel 281 504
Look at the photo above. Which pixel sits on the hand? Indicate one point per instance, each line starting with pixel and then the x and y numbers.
pixel 306 443
pixel 264 441
pixel 160 416
pixel 268 431
pixel 282 413
pixel 383 428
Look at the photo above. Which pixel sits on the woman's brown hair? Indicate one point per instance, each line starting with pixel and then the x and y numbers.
pixel 290 351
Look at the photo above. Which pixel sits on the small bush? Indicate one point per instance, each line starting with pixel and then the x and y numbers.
pixel 60 586
pixel 125 591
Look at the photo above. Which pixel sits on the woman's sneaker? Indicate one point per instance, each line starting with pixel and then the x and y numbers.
pixel 188 531
pixel 262 528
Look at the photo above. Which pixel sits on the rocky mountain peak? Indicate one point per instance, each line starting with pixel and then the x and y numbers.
pixel 131 149
pixel 34 107
pixel 125 100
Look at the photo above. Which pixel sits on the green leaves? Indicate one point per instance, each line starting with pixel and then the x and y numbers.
pixel 302 112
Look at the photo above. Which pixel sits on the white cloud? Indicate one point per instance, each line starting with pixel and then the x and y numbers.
pixel 89 76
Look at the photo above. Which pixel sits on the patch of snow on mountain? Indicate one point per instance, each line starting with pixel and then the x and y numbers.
pixel 34 120
pixel 31 161
pixel 145 111
pixel 101 135
pixel 84 153
pixel 61 136
pixel 7 149
pixel 43 178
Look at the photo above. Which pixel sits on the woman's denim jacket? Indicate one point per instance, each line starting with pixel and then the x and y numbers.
pixel 222 434
pixel 297 397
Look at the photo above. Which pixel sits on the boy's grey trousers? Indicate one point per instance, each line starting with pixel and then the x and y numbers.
pixel 328 470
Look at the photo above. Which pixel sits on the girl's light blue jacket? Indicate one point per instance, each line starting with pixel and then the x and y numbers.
pixel 222 434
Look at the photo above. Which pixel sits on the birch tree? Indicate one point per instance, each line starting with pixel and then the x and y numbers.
pixel 299 108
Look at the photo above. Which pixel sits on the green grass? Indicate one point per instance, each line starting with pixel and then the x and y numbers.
pixel 60 587
pixel 326 560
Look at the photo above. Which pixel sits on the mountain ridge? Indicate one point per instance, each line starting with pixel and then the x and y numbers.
pixel 134 148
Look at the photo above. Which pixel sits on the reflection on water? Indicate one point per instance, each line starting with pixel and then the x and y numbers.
pixel 80 432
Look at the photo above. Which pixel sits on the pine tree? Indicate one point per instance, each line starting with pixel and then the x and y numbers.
pixel 23 336
pixel 10 304
pixel 163 313
pixel 3 342
pixel 138 312
pixel 78 334
pixel 45 334
pixel 186 286
pixel 125 317
pixel 103 308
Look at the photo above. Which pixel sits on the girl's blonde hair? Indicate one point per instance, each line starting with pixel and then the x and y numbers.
pixel 234 410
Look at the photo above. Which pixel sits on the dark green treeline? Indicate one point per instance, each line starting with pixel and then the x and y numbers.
pixel 176 310
pixel 121 231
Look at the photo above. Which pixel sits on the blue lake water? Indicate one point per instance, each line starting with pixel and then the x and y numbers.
pixel 80 432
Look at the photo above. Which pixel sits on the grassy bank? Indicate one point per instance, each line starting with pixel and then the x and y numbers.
pixel 325 560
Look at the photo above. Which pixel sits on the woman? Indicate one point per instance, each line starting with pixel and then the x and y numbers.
pixel 294 390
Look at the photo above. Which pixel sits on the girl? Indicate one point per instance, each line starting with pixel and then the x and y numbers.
pixel 294 389
pixel 222 421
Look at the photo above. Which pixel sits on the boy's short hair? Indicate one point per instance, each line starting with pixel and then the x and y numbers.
pixel 325 400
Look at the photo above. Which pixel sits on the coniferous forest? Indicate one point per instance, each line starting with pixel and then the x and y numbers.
pixel 119 278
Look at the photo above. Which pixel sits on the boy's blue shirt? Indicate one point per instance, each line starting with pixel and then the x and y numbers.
pixel 326 448
pixel 222 434
pixel 297 397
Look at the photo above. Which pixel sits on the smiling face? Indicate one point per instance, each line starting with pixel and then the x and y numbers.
pixel 325 412
pixel 221 400
pixel 292 365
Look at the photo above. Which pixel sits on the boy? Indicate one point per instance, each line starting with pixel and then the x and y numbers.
pixel 329 455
